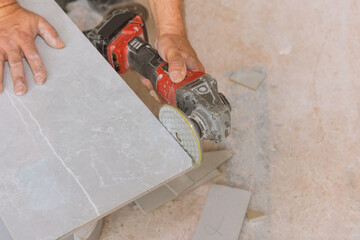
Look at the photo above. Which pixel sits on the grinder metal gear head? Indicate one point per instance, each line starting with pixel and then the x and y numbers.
pixel 208 109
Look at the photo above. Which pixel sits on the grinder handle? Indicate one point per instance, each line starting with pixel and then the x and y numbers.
pixel 144 59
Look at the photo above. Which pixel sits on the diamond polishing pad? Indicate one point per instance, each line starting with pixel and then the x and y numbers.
pixel 180 127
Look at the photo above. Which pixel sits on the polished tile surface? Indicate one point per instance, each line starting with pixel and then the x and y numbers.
pixel 79 146
pixel 4 232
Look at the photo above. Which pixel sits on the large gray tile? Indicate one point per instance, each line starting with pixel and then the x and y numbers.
pixel 79 146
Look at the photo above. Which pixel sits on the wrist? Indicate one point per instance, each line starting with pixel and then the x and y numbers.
pixel 168 17
pixel 176 29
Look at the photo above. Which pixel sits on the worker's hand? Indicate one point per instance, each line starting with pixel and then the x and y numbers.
pixel 178 52
pixel 18 29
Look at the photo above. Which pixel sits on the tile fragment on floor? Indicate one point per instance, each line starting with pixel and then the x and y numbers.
pixel 223 214
pixel 211 160
pixel 155 198
pixel 250 78
pixel 90 231
pixel 255 216
pixel 180 184
pixel 213 174
pixel 184 183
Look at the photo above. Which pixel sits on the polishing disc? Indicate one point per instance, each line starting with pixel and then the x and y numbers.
pixel 181 128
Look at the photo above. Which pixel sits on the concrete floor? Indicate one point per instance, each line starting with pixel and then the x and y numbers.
pixel 296 139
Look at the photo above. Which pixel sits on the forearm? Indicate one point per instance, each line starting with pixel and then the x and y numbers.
pixel 168 16
pixel 171 40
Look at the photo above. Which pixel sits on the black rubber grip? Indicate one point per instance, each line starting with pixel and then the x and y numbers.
pixel 144 59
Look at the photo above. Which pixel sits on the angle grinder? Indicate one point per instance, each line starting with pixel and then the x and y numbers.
pixel 195 111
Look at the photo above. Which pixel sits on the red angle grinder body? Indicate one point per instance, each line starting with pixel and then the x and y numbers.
pixel 122 40
pixel 117 53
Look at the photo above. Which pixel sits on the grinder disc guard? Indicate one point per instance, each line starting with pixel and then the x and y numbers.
pixel 181 128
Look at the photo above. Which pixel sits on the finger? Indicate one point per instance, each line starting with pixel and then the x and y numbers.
pixel 17 70
pixel 177 68
pixel 2 61
pixel 193 63
pixel 36 64
pixel 154 95
pixel 49 34
pixel 146 82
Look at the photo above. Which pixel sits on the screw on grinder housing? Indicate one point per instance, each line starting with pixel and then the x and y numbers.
pixel 122 39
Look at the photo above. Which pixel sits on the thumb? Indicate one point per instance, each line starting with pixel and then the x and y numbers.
pixel 49 34
pixel 177 67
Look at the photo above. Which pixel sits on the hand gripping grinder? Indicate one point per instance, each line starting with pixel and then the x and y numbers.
pixel 195 110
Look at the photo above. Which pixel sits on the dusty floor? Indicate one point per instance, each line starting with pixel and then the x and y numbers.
pixel 296 139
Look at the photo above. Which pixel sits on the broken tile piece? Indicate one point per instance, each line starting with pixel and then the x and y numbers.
pixel 90 231
pixel 211 160
pixel 223 214
pixel 213 174
pixel 184 183
pixel 147 204
pixel 180 184
pixel 254 216
pixel 155 198
pixel 250 78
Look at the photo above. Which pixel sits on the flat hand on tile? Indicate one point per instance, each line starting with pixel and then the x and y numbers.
pixel 18 29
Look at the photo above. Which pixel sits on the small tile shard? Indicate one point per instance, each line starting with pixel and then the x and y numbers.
pixel 155 199
pixel 185 183
pixel 211 160
pixel 90 231
pixel 213 174
pixel 254 216
pixel 250 78
pixel 180 184
pixel 223 214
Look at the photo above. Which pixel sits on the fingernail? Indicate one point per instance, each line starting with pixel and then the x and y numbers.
pixel 153 93
pixel 60 43
pixel 39 78
pixel 177 76
pixel 20 89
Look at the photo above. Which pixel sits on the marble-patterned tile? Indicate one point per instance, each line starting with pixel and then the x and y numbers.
pixel 79 146
pixel 4 232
